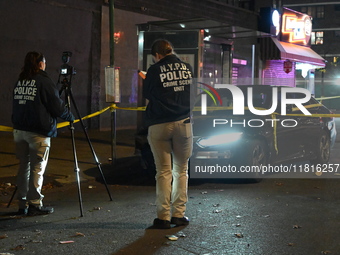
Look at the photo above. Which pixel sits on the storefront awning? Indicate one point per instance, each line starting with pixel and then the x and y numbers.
pixel 272 48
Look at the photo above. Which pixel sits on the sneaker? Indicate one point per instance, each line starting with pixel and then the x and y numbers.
pixel 180 221
pixel 161 224
pixel 39 210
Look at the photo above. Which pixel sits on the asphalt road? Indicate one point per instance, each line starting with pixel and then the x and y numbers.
pixel 277 216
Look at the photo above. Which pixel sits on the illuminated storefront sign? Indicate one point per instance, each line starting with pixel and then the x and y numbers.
pixel 296 27
pixel 276 21
pixel 269 21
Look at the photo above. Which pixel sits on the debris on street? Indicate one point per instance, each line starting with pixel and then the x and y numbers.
pixel 65 242
pixel 79 234
pixel 19 248
pixel 217 211
pixel 172 237
pixel 181 234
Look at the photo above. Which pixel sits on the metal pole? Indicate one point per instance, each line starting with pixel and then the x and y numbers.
pixel 112 42
pixel 253 64
pixel 322 83
pixel 231 65
pixel 113 112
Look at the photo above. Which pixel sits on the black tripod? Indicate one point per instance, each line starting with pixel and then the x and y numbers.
pixel 66 87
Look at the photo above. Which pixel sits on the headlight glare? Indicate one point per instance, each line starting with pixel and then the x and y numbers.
pixel 219 139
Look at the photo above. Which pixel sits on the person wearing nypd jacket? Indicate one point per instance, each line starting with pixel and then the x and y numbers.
pixel 167 87
pixel 36 107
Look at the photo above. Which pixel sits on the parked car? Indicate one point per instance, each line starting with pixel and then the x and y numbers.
pixel 252 140
pixel 222 139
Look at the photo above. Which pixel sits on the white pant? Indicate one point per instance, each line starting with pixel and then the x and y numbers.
pixel 171 145
pixel 32 150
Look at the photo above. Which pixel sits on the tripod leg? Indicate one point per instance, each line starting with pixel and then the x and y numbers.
pixel 68 95
pixel 90 145
pixel 76 169
pixel 79 193
pixel 10 201
pixel 97 162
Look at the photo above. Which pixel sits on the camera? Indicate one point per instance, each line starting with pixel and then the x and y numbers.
pixel 66 69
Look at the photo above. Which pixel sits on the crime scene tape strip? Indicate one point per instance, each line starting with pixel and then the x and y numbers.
pixel 217 108
pixel 326 98
pixel 113 107
pixel 6 129
pixel 129 108
pixel 67 123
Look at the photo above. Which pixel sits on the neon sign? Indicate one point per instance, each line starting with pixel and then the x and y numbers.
pixel 296 27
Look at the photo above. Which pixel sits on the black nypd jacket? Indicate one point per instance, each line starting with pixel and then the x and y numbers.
pixel 167 87
pixel 37 104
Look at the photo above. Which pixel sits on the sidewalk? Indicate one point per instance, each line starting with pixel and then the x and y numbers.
pixel 61 165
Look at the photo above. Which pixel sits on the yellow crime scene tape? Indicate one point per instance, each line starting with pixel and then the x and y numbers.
pixel 212 108
pixel 67 123
pixel 113 107
pixel 326 98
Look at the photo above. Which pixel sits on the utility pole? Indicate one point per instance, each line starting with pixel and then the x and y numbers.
pixel 112 54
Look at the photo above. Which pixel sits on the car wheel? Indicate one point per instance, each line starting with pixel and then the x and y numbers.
pixel 323 149
pixel 256 155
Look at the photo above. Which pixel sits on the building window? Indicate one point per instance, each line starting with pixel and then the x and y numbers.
pixel 314 11
pixel 320 12
pixel 317 38
pixel 307 10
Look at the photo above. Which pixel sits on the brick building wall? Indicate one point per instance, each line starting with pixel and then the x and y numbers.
pixel 54 26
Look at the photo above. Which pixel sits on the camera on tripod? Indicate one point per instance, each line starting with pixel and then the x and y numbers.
pixel 66 69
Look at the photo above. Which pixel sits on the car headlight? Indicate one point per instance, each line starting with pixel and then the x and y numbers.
pixel 219 139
